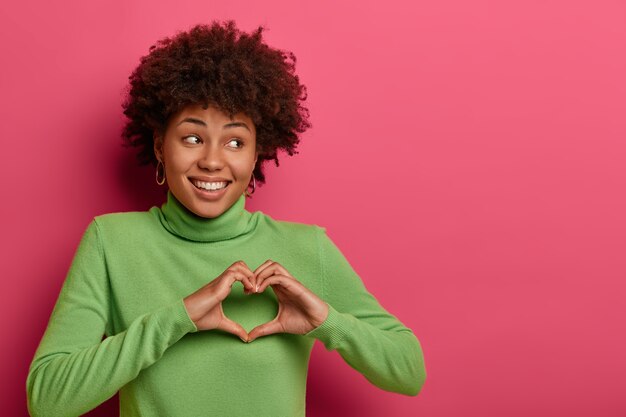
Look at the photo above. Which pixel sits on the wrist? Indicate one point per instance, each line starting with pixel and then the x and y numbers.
pixel 191 309
pixel 323 316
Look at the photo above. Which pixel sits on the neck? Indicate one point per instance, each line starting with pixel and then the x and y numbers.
pixel 179 220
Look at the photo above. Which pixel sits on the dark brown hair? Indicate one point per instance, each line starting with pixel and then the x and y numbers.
pixel 217 65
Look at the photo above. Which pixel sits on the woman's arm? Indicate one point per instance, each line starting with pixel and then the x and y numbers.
pixel 368 338
pixel 74 370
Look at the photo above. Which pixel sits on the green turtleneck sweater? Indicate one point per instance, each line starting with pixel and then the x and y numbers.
pixel 127 282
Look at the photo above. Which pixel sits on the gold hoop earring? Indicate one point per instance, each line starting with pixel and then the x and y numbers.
pixel 157 173
pixel 253 187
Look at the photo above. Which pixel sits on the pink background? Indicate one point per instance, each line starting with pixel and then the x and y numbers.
pixel 466 156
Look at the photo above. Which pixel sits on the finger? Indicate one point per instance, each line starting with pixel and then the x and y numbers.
pixel 245 269
pixel 270 270
pixel 274 269
pixel 238 263
pixel 231 276
pixel 279 269
pixel 259 271
pixel 265 329
pixel 282 280
pixel 235 328
pixel 241 272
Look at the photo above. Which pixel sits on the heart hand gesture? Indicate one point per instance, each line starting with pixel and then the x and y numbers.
pixel 205 305
pixel 299 309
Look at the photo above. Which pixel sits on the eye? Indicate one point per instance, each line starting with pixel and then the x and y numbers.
pixel 191 137
pixel 238 141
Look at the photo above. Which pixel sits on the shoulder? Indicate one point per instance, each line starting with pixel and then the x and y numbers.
pixel 286 226
pixel 294 231
pixel 124 218
pixel 124 222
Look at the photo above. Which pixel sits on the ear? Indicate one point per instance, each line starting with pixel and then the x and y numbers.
pixel 158 145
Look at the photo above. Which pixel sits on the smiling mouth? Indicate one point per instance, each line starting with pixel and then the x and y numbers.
pixel 210 186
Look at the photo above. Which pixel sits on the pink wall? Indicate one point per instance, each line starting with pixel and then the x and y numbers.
pixel 467 157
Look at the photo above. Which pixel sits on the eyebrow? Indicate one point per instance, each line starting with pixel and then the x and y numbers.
pixel 202 123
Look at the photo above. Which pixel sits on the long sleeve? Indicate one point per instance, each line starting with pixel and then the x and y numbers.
pixel 73 369
pixel 368 338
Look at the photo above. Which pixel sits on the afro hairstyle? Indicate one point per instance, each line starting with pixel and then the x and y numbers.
pixel 222 66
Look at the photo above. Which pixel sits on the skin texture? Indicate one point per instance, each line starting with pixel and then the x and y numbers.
pixel 218 149
pixel 217 145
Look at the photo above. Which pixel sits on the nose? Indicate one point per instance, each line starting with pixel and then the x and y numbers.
pixel 211 158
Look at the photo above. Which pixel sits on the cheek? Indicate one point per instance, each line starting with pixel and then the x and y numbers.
pixel 178 160
pixel 243 166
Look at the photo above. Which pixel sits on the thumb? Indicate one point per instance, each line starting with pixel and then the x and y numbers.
pixel 265 329
pixel 233 327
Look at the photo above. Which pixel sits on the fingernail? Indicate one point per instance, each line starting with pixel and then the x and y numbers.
pixel 243 340
pixel 257 289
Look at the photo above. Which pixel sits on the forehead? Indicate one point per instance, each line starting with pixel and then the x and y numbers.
pixel 211 114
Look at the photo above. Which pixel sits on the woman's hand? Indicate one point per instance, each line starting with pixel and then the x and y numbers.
pixel 205 305
pixel 299 309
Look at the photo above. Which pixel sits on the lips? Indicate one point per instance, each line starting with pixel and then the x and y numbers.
pixel 209 179
pixel 206 194
pixel 209 186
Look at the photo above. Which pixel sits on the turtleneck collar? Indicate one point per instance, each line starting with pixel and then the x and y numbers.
pixel 179 220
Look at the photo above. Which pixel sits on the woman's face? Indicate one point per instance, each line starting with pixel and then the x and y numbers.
pixel 206 145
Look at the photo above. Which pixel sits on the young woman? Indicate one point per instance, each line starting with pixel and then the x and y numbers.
pixel 208 107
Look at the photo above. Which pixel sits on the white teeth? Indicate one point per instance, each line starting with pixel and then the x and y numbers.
pixel 210 185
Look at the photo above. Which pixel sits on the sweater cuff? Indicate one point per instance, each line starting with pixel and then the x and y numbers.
pixel 332 331
pixel 174 321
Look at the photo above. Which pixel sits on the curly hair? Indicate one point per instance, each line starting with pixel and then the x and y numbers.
pixel 222 66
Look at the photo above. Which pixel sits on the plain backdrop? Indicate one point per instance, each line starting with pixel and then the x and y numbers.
pixel 467 157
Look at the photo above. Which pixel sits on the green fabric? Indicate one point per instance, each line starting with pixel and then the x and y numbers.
pixel 127 282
